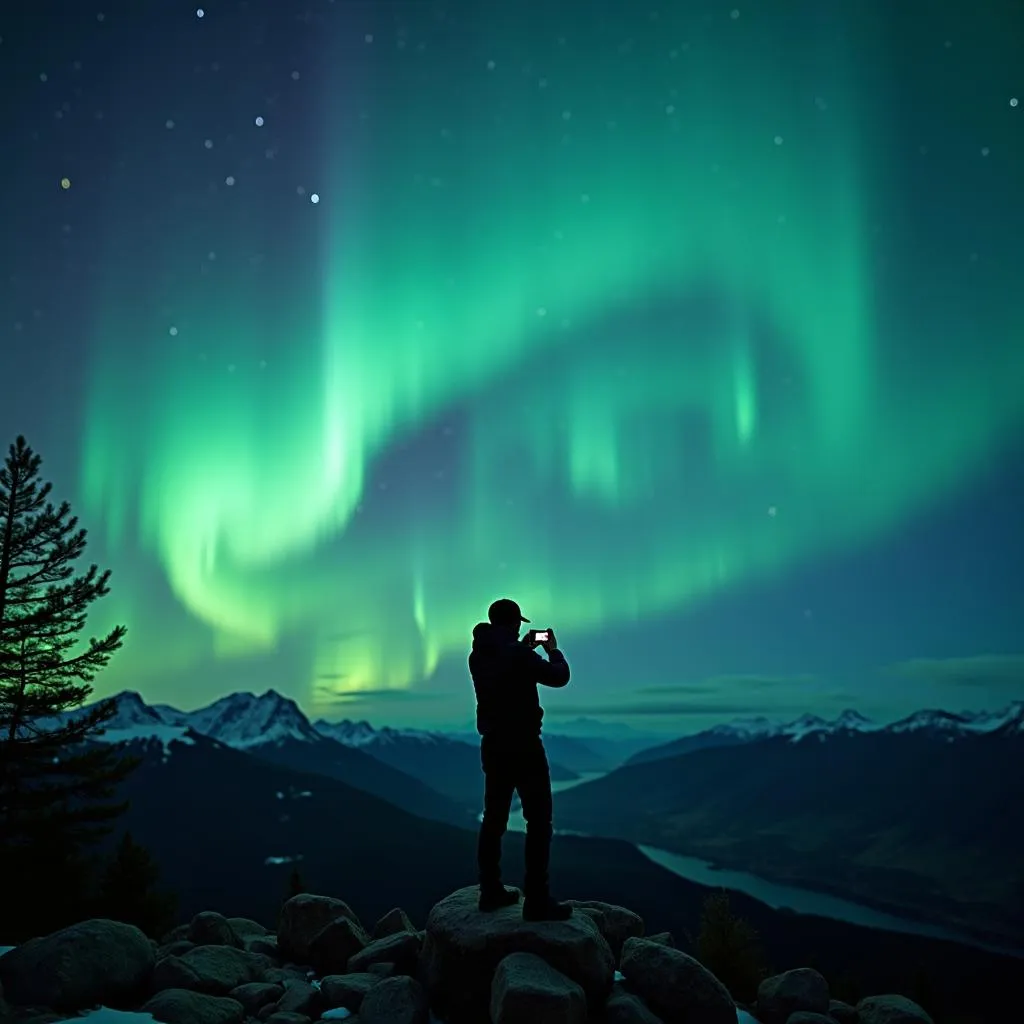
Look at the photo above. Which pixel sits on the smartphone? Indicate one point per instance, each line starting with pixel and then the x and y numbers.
pixel 541 635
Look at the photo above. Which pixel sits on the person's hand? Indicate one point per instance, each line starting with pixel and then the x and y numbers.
pixel 530 639
pixel 551 643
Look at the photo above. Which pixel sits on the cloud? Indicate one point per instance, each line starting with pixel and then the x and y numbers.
pixel 681 707
pixel 718 684
pixel 326 695
pixel 982 670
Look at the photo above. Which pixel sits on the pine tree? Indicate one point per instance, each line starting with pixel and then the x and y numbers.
pixel 127 890
pixel 728 947
pixel 56 787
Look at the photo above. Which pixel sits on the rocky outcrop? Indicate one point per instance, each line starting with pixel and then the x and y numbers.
pixel 464 968
pixel 463 948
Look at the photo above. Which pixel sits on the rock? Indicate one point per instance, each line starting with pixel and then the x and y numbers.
pixel 527 990
pixel 889 1009
pixel 243 926
pixel 401 949
pixel 176 934
pixel 806 1017
pixel 254 995
pixel 842 1013
pixel 287 1017
pixel 395 920
pixel 300 997
pixel 209 928
pixel 37 1015
pixel 286 975
pixel 662 938
pixel 175 948
pixel 803 988
pixel 213 970
pixel 268 1011
pixel 616 923
pixel 398 1000
pixel 385 970
pixel 75 968
pixel 303 917
pixel 265 945
pixel 625 1007
pixel 333 946
pixel 347 990
pixel 463 948
pixel 676 987
pixel 180 1006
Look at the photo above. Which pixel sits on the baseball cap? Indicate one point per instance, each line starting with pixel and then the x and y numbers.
pixel 505 610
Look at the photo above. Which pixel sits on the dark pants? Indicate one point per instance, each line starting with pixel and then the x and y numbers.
pixel 512 765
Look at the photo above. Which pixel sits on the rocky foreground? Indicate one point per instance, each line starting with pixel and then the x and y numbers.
pixel 465 967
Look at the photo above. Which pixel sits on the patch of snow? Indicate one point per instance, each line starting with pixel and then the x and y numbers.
pixel 243 720
pixel 104 1015
pixel 619 976
pixel 338 1013
pixel 270 861
pixel 166 734
pixel 742 1017
pixel 5 949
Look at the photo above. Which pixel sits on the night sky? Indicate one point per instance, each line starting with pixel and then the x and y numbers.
pixel 698 330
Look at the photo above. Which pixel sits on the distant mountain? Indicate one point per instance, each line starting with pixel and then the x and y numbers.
pixel 273 728
pixel 921 817
pixel 451 766
pixel 746 730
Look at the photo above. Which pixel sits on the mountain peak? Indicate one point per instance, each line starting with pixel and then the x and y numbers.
pixel 244 720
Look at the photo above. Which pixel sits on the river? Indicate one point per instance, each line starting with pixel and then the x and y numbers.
pixel 776 895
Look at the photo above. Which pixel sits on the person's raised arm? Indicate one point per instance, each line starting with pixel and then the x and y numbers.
pixel 553 672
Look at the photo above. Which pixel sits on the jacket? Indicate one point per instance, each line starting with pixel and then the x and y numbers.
pixel 505 675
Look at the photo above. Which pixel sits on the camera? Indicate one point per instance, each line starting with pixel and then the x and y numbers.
pixel 541 635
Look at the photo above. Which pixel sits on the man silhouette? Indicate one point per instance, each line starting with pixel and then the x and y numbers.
pixel 506 671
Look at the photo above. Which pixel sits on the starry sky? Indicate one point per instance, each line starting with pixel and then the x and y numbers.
pixel 697 329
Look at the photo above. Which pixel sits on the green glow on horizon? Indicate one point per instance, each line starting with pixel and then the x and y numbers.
pixel 452 296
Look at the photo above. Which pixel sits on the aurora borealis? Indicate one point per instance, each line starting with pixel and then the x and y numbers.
pixel 616 311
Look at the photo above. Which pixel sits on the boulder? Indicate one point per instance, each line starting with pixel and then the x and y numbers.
pixel 75 968
pixel 399 1000
pixel 679 989
pixel 616 923
pixel 301 997
pixel 303 917
pixel 287 1017
pixel 213 970
pixel 254 995
pixel 175 948
pixel 662 938
pixel 383 970
pixel 334 945
pixel 625 1007
pixel 842 1013
pixel 806 1017
pixel 347 990
pixel 180 1006
pixel 528 990
pixel 243 926
pixel 395 920
pixel 401 949
pixel 209 928
pixel 463 948
pixel 802 988
pixel 265 945
pixel 176 934
pixel 890 1009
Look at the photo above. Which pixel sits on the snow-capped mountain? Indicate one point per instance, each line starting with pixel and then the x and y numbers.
pixel 243 720
pixel 362 734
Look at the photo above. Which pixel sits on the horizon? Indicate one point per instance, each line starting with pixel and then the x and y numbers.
pixel 330 347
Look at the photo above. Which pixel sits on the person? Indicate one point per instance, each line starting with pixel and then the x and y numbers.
pixel 506 671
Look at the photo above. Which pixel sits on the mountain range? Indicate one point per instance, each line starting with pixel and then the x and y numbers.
pixel 745 730
pixel 920 817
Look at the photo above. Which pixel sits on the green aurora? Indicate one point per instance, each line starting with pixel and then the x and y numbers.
pixel 638 268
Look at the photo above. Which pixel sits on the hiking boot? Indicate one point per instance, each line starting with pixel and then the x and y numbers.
pixel 546 909
pixel 495 899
